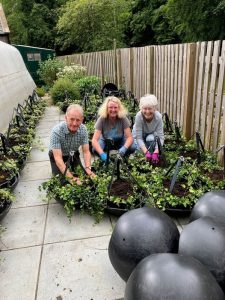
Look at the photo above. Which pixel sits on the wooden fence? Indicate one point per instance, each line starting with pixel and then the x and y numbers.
pixel 188 80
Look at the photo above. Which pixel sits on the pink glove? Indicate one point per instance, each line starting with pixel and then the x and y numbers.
pixel 148 156
pixel 155 158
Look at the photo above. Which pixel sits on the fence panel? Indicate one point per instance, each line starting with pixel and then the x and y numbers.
pixel 165 71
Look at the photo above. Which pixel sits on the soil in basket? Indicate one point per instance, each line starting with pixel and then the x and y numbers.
pixel 121 188
pixel 216 175
pixel 178 189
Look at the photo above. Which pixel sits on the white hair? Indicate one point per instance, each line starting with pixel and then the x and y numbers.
pixel 148 100
pixel 76 107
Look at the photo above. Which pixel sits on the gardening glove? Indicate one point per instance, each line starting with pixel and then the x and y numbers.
pixel 103 156
pixel 155 158
pixel 148 156
pixel 122 151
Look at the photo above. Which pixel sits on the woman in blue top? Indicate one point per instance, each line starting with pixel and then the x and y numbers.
pixel 148 124
pixel 112 124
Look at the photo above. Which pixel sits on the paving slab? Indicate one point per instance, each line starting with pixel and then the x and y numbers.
pixel 36 171
pixel 81 226
pixel 27 194
pixel 24 227
pixel 51 111
pixel 38 155
pixel 78 270
pixel 19 273
pixel 41 142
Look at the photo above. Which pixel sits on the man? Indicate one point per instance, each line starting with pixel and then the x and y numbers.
pixel 65 140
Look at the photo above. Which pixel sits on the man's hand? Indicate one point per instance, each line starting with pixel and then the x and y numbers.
pixel 76 180
pixel 89 172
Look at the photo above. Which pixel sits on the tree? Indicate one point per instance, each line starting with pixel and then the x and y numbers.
pixel 92 25
pixel 32 22
pixel 197 20
pixel 148 18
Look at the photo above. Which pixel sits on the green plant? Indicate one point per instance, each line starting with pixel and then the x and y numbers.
pixel 40 91
pixel 63 89
pixel 48 70
pixel 89 84
pixel 5 194
pixel 72 72
pixel 10 166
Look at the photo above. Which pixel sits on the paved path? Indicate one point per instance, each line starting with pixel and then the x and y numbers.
pixel 43 256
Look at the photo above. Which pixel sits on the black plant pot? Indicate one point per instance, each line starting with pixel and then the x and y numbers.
pixel 4 208
pixel 179 211
pixel 10 183
pixel 112 209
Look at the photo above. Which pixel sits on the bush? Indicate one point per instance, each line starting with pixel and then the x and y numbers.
pixel 72 72
pixel 89 84
pixel 63 89
pixel 40 91
pixel 48 70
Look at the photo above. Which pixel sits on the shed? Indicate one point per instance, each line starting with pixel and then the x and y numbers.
pixel 32 56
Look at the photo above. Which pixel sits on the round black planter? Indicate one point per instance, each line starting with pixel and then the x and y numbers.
pixel 178 211
pixel 4 208
pixel 116 211
pixel 10 183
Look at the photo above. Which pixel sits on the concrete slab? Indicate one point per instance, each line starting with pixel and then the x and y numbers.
pixel 38 155
pixel 51 111
pixel 18 273
pixel 28 194
pixel 36 171
pixel 43 132
pixel 183 221
pixel 24 227
pixel 41 142
pixel 47 124
pixel 79 270
pixel 81 226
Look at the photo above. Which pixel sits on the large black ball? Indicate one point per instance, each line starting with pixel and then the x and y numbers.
pixel 204 239
pixel 139 233
pixel 211 204
pixel 172 277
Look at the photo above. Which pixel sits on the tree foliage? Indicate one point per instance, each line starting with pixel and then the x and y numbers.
pixel 197 20
pixel 92 24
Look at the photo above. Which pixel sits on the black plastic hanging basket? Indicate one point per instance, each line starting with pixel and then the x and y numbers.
pixel 110 89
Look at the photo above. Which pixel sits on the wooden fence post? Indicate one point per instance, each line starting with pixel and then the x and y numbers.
pixel 102 69
pixel 131 63
pixel 188 94
pixel 152 70
pixel 119 70
pixel 115 62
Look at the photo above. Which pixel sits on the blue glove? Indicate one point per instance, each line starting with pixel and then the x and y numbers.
pixel 122 150
pixel 103 156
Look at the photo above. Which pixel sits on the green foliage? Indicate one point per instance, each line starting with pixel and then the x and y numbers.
pixel 92 25
pixel 64 88
pixel 5 194
pixel 40 91
pixel 197 20
pixel 72 72
pixel 48 70
pixel 89 84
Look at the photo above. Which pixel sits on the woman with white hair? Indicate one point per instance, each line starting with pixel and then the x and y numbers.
pixel 148 124
pixel 112 124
